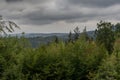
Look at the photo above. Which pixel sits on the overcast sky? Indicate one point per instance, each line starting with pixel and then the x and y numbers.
pixel 57 16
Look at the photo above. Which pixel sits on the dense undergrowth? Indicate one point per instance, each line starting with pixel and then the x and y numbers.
pixel 81 60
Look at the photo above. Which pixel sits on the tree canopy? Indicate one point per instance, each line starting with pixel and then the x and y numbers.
pixel 105 35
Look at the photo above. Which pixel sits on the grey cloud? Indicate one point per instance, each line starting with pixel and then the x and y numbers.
pixel 39 18
pixel 9 1
pixel 70 14
pixel 39 12
pixel 93 3
pixel 27 1
pixel 55 16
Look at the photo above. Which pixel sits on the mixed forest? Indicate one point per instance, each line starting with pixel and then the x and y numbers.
pixel 80 58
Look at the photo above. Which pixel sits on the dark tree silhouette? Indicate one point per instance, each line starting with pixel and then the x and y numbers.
pixel 84 34
pixel 7 26
pixel 70 37
pixel 77 33
pixel 105 35
pixel 117 30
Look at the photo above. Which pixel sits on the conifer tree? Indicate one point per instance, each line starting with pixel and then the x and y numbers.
pixel 77 33
pixel 70 38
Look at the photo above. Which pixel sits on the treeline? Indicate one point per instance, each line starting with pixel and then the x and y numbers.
pixel 80 58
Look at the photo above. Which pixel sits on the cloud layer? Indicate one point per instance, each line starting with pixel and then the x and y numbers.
pixel 48 12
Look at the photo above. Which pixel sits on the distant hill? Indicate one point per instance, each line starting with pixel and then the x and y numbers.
pixel 40 39
pixel 37 39
pixel 32 35
pixel 91 34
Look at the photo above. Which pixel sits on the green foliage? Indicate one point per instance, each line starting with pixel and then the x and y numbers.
pixel 109 69
pixel 2 65
pixel 79 60
pixel 84 35
pixel 70 37
pixel 105 35
pixel 117 30
pixel 56 61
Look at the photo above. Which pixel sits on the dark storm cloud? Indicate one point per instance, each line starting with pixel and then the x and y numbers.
pixel 39 12
pixel 47 17
pixel 94 3
pixel 13 1
pixel 53 16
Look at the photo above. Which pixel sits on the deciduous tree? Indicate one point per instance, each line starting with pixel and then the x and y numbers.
pixel 105 35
